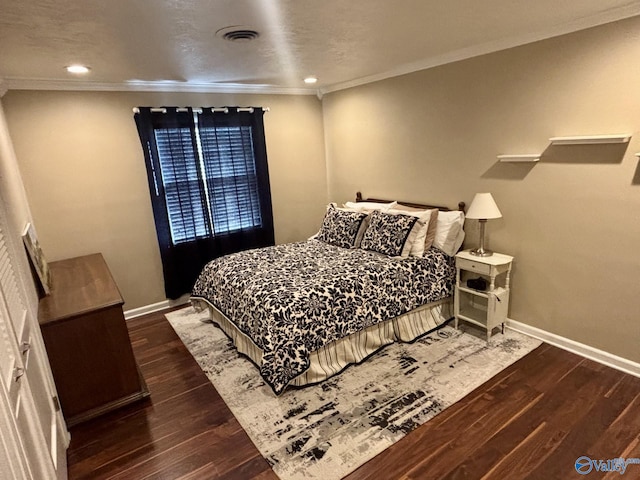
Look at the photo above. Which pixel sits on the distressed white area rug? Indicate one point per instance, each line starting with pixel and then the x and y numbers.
pixel 328 430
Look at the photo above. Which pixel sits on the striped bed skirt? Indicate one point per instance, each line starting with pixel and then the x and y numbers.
pixel 336 356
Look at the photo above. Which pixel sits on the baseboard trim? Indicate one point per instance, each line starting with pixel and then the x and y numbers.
pixel 586 351
pixel 155 307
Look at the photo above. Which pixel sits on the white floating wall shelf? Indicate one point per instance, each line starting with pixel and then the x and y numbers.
pixel 590 139
pixel 534 157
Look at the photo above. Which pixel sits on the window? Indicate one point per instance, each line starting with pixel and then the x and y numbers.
pixel 226 160
pixel 208 179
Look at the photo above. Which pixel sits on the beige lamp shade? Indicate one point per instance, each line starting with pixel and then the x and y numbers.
pixel 483 207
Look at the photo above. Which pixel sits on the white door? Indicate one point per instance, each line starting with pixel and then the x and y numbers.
pixel 38 434
pixel 15 463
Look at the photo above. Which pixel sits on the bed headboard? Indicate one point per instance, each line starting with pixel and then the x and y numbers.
pixel 461 205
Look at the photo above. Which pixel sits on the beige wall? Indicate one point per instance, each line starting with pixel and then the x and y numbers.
pixel 85 178
pixel 572 221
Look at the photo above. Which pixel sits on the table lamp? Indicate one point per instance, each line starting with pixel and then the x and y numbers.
pixel 482 208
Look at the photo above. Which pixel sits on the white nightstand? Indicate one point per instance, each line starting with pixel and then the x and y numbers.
pixel 485 308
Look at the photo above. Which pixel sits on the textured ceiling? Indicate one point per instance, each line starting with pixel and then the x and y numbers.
pixel 171 44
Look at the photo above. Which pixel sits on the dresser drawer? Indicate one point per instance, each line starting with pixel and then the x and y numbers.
pixel 471 266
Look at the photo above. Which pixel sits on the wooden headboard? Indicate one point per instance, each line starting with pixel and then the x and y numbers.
pixel 461 205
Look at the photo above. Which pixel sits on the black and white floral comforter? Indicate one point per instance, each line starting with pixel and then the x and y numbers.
pixel 295 298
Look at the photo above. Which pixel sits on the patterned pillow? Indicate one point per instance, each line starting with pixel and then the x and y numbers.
pixel 340 227
pixel 389 234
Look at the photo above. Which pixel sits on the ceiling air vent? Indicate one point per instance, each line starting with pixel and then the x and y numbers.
pixel 237 33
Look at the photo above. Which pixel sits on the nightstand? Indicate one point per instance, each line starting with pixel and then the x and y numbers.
pixel 485 308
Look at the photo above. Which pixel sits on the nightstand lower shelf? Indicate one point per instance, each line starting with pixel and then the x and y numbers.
pixel 487 310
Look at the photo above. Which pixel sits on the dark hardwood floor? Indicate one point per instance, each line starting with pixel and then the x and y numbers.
pixel 531 421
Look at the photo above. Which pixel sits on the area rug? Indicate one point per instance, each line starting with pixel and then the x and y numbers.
pixel 328 430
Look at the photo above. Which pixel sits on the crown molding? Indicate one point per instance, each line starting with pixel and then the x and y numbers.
pixel 491 47
pixel 14 83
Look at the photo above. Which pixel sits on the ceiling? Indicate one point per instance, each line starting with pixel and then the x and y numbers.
pixel 172 44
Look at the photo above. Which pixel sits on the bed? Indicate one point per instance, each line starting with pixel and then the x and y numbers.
pixel 304 311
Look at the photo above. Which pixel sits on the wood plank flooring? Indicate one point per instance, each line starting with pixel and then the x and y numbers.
pixel 532 421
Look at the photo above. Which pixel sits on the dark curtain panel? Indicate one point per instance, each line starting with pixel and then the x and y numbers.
pixel 209 186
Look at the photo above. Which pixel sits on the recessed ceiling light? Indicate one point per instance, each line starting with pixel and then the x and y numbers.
pixel 77 69
pixel 310 80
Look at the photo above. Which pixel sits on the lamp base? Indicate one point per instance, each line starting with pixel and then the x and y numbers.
pixel 481 252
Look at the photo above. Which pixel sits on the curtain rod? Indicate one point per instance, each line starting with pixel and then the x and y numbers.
pixel 199 110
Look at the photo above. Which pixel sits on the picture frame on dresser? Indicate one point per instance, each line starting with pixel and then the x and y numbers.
pixel 37 259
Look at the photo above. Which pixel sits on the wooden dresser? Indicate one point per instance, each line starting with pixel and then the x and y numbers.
pixel 87 341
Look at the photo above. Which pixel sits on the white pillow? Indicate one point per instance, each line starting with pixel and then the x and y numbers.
pixel 424 217
pixel 369 206
pixel 458 243
pixel 448 229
